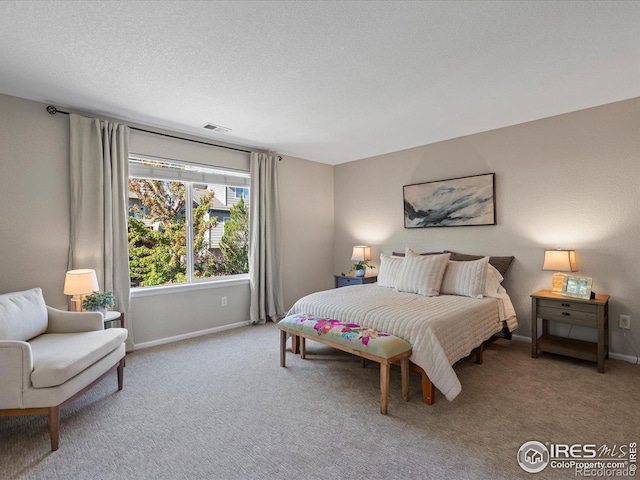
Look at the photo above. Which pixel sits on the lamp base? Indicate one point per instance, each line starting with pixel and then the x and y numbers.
pixel 76 303
pixel 559 282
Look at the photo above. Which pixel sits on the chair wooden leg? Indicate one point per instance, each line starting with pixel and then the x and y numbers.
pixel 295 344
pixel 283 344
pixel 303 347
pixel 120 373
pixel 427 389
pixel 404 372
pixel 384 387
pixel 479 352
pixel 54 427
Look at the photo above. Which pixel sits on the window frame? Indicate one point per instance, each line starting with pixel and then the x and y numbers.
pixel 221 176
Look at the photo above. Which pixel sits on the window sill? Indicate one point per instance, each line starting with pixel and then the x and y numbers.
pixel 190 287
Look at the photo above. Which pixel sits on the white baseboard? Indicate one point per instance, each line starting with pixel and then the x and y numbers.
pixel 626 358
pixel 617 356
pixel 184 336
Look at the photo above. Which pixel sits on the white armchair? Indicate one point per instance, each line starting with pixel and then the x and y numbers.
pixel 49 357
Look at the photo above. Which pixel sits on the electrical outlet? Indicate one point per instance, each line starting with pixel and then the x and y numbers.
pixel 625 322
pixel 223 301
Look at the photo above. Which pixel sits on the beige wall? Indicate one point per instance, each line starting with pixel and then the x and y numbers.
pixel 34 224
pixel 34 192
pixel 306 199
pixel 566 181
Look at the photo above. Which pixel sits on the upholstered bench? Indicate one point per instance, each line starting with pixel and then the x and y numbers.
pixel 351 338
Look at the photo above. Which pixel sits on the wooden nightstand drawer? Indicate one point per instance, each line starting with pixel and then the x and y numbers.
pixel 568 304
pixel 347 280
pixel 575 317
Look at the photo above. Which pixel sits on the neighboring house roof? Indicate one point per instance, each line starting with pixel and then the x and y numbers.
pixel 197 193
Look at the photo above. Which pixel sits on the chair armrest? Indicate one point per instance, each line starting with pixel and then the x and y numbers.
pixel 16 365
pixel 61 321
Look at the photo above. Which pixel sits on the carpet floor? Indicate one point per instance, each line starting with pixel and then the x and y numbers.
pixel 220 407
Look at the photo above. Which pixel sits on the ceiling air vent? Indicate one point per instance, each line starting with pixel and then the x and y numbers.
pixel 216 128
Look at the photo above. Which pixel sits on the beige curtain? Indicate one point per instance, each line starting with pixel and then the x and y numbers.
pixel 264 240
pixel 99 175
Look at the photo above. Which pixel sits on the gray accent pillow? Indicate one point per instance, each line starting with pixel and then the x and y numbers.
pixel 501 264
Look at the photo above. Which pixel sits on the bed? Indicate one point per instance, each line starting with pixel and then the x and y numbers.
pixel 441 328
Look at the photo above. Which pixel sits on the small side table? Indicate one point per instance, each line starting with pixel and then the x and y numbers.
pixel 113 316
pixel 346 280
pixel 552 307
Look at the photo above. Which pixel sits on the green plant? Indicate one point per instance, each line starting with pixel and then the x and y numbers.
pixel 361 265
pixel 96 300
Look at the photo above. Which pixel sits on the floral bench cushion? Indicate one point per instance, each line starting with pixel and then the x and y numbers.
pixel 357 337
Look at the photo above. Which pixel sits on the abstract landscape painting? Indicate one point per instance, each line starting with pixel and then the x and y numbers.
pixel 450 203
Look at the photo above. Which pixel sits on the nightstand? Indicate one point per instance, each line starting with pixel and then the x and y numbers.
pixel 346 280
pixel 113 316
pixel 553 307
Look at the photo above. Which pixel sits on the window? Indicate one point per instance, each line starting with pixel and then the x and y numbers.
pixel 242 193
pixel 180 228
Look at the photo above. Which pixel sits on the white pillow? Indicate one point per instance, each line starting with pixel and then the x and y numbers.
pixel 422 274
pixel 389 270
pixel 465 278
pixel 492 287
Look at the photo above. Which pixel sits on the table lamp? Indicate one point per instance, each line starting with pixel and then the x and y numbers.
pixel 361 255
pixel 79 283
pixel 559 261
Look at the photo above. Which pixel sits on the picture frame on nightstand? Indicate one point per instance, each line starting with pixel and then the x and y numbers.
pixel 578 287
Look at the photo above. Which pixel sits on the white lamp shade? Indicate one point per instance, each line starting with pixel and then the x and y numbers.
pixel 79 282
pixel 361 253
pixel 560 261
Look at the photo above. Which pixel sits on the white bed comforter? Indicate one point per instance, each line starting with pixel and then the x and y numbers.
pixel 441 330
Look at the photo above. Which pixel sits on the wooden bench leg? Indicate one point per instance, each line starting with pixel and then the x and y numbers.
pixel 362 364
pixel 295 344
pixel 404 372
pixel 479 352
pixel 283 344
pixel 427 389
pixel 54 427
pixel 384 387
pixel 303 348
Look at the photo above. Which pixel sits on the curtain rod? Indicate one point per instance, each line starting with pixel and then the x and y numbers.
pixel 53 110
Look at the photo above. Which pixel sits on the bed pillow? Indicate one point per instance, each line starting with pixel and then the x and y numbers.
pixel 422 274
pixel 389 270
pixel 501 264
pixel 492 284
pixel 465 278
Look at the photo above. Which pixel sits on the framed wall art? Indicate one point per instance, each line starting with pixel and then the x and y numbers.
pixel 455 202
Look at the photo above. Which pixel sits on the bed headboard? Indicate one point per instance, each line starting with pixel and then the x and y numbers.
pixel 501 264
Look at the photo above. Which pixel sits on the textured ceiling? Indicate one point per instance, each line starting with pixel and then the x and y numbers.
pixel 326 81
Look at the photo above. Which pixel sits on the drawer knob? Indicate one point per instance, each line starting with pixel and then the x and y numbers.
pixel 566 314
pixel 566 304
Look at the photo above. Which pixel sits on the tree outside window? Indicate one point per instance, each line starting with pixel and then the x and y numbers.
pixel 162 250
